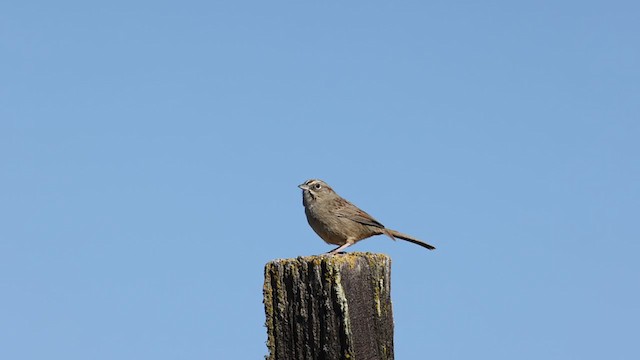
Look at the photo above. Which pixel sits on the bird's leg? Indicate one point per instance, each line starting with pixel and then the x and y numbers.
pixel 341 247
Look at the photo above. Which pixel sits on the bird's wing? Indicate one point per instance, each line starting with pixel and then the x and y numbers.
pixel 347 210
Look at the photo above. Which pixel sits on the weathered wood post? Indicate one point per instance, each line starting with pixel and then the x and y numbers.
pixel 329 307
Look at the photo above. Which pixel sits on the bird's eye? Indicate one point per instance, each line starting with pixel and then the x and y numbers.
pixel 317 186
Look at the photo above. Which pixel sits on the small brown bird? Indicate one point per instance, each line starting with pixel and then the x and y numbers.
pixel 339 222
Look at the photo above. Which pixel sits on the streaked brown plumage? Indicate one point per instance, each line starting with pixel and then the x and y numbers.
pixel 339 222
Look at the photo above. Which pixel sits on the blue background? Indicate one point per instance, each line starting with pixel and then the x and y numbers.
pixel 150 153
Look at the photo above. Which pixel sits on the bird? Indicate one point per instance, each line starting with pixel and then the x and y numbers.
pixel 339 222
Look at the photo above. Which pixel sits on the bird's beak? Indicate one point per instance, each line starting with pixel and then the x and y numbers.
pixel 304 186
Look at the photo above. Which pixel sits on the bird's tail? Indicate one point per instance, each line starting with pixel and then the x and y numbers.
pixel 396 234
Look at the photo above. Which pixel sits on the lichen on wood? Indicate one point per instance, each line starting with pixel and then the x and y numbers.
pixel 329 307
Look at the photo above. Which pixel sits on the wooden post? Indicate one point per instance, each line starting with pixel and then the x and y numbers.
pixel 329 307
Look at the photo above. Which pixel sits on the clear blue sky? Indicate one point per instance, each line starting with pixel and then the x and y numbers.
pixel 150 153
